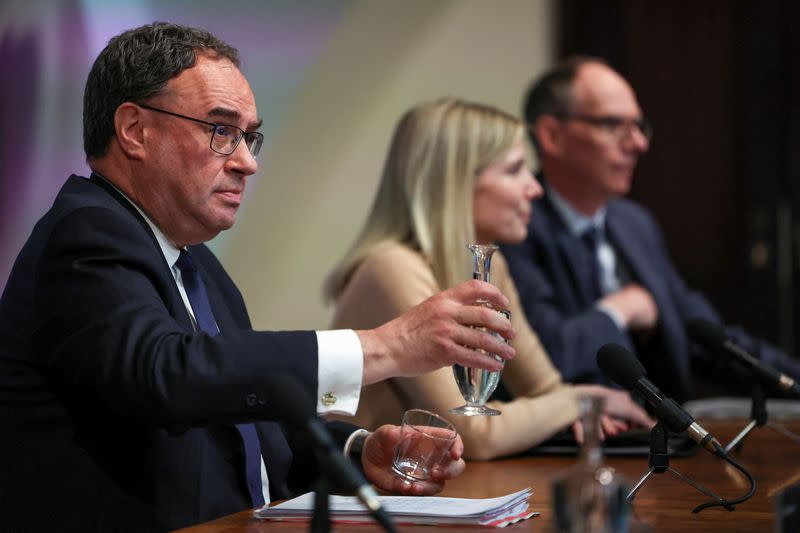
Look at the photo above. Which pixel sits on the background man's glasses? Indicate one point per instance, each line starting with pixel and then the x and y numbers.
pixel 224 137
pixel 619 127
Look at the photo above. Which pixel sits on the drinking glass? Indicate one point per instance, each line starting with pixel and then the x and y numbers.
pixel 477 384
pixel 425 440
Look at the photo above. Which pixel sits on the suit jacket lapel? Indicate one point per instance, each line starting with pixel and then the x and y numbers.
pixel 573 256
pixel 623 236
pixel 173 299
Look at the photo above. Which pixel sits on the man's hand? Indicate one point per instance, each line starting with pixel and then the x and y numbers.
pixel 635 305
pixel 378 454
pixel 439 332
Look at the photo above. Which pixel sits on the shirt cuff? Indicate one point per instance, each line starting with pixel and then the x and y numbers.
pixel 613 315
pixel 349 444
pixel 340 369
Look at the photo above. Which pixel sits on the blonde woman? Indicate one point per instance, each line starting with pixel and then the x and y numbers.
pixel 456 173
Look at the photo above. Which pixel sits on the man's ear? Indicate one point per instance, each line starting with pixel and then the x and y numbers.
pixel 129 130
pixel 549 132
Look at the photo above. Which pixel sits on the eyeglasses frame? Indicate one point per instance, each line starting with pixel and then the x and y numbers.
pixel 611 122
pixel 214 126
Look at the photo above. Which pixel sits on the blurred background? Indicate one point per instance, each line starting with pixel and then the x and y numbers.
pixel 720 80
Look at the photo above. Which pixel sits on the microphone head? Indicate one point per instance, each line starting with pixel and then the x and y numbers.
pixel 706 333
pixel 620 365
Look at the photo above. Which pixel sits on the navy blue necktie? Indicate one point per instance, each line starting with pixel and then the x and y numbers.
pixel 196 291
pixel 591 239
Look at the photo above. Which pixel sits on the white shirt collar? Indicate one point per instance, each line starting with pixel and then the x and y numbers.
pixel 168 249
pixel 576 222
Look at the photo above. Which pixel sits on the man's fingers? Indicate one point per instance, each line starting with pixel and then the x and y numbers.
pixel 480 327
pixel 471 358
pixel 416 488
pixel 450 470
pixel 448 328
pixel 478 316
pixel 457 449
pixel 471 291
pixel 478 338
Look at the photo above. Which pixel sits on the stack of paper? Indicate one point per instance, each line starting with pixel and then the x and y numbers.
pixel 493 512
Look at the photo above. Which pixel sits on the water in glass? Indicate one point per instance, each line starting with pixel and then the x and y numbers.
pixel 476 384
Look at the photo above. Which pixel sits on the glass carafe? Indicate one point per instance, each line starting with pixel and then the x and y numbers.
pixel 590 497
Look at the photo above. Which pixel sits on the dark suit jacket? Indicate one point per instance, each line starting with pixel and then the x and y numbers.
pixel 115 414
pixel 553 276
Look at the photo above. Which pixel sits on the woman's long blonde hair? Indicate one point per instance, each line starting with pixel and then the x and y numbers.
pixel 426 193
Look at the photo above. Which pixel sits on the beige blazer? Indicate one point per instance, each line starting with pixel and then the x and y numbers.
pixel 394 278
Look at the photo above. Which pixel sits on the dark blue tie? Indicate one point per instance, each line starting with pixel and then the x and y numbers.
pixel 591 239
pixel 196 291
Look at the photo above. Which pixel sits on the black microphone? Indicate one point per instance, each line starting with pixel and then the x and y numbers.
pixel 713 338
pixel 294 404
pixel 624 368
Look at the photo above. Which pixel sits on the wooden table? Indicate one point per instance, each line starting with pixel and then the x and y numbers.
pixel 663 504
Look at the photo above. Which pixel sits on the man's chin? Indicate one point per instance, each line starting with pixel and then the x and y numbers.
pixel 218 226
pixel 227 225
pixel 226 219
pixel 622 185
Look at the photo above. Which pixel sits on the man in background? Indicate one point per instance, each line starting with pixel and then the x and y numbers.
pixel 134 394
pixel 595 268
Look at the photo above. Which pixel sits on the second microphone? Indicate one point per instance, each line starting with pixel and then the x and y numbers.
pixel 624 368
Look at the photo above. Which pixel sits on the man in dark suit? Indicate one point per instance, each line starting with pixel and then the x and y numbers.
pixel 594 268
pixel 132 386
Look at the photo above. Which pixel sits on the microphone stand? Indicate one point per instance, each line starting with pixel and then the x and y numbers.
pixel 658 458
pixel 321 518
pixel 333 471
pixel 758 414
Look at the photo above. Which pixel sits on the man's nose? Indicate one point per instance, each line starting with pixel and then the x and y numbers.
pixel 242 160
pixel 636 139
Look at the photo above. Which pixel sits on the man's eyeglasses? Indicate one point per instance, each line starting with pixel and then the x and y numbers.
pixel 619 127
pixel 224 137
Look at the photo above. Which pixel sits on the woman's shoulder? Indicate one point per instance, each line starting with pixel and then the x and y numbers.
pixel 392 256
pixel 390 279
pixel 389 265
pixel 499 262
pixel 501 276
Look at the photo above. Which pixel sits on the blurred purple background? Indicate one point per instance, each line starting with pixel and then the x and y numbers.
pixel 48 51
